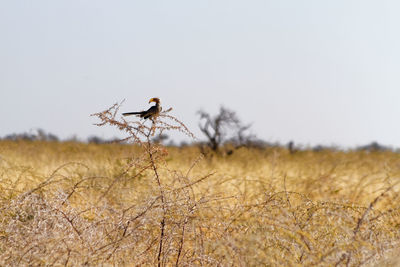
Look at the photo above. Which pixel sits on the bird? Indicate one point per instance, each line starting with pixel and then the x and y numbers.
pixel 151 113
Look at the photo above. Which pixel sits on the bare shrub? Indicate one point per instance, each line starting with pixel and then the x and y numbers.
pixel 84 220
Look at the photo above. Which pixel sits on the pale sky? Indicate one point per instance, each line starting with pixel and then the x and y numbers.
pixel 312 71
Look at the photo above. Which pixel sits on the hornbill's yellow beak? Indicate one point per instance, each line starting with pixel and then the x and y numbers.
pixel 154 99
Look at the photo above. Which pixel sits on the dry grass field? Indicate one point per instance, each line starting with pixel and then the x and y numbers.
pixel 79 204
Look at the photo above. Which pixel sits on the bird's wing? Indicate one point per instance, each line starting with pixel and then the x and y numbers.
pixel 152 110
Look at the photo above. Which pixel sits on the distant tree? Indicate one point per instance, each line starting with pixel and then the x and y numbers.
pixel 99 140
pixel 95 140
pixel 321 148
pixel 40 135
pixel 291 147
pixel 224 128
pixel 373 147
pixel 161 138
pixel 43 136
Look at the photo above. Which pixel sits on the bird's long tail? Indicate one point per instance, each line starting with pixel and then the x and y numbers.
pixel 131 113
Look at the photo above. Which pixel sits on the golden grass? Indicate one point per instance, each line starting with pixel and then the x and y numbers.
pixel 75 204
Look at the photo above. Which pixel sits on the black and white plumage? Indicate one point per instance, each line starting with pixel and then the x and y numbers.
pixel 151 113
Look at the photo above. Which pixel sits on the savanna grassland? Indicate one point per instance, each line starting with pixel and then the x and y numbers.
pixel 79 204
pixel 144 204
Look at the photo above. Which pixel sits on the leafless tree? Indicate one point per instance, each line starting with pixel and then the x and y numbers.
pixel 223 128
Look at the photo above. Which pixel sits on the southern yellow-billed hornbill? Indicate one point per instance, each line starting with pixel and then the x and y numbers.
pixel 151 113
